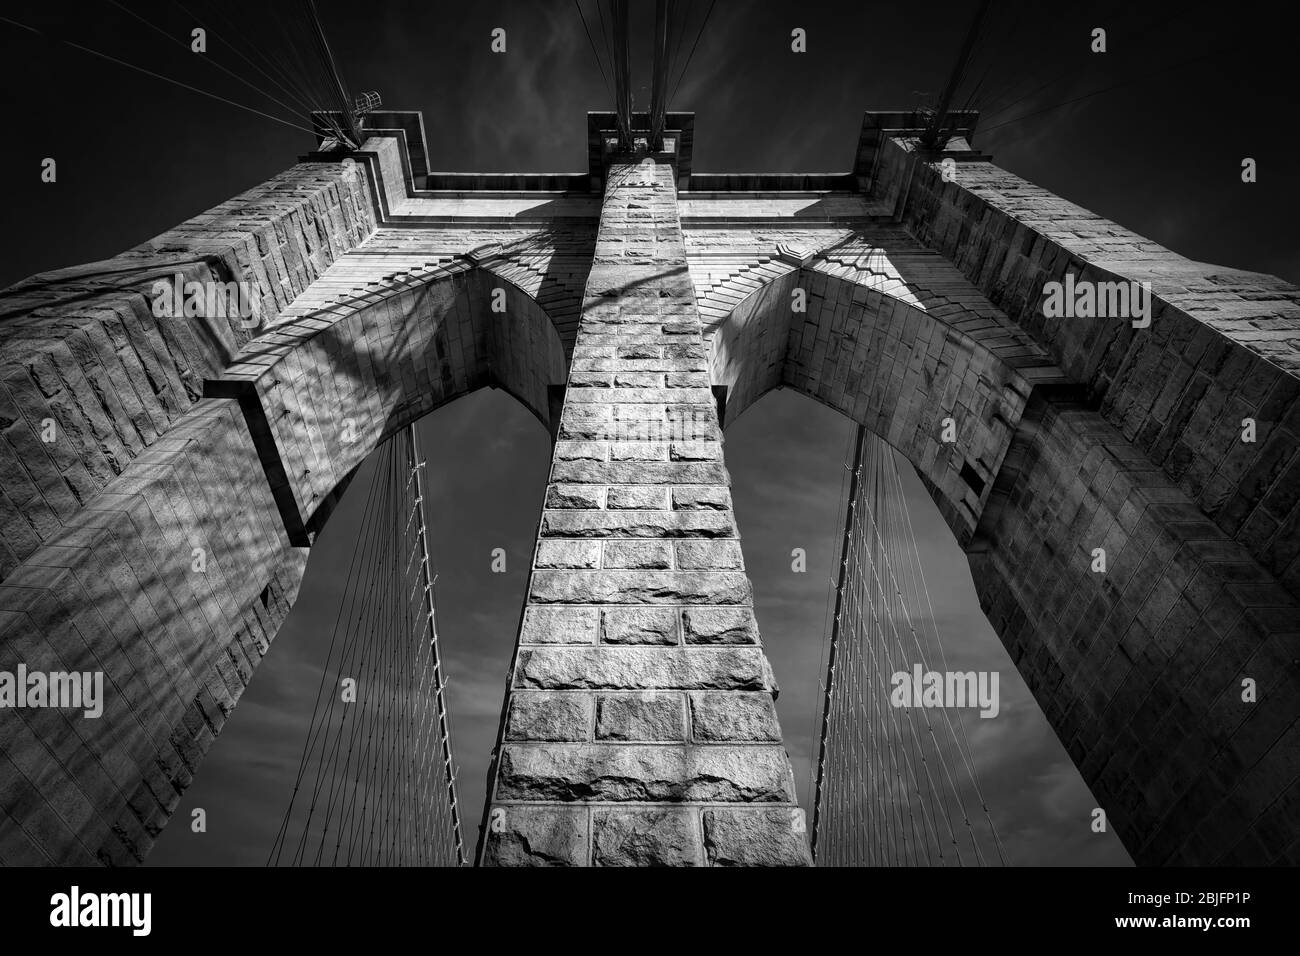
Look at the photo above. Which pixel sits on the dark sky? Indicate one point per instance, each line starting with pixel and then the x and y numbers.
pixel 1198 90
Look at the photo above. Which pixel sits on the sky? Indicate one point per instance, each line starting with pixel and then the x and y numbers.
pixel 1195 90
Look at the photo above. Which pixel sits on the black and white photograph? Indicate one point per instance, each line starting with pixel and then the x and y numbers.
pixel 644 434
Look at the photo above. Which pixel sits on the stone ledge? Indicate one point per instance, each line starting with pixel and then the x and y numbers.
pixel 640 587
pixel 600 472
pixel 607 667
pixel 721 555
pixel 595 772
pixel 638 524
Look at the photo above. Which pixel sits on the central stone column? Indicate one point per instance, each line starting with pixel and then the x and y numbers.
pixel 640 727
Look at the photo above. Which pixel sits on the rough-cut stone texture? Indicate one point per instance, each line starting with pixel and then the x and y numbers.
pixel 115 590
pixel 154 457
pixel 1223 344
pixel 1138 670
pixel 549 717
pixel 332 383
pixel 568 554
pixel 638 524
pixel 643 555
pixel 81 346
pixel 637 498
pixel 638 478
pixel 537 836
pixel 923 302
pixel 649 718
pixel 614 472
pixel 709 555
pixel 644 668
pixel 613 772
pixel 560 625
pixel 733 717
pixel 757 837
pixel 717 625
pixel 652 837
pixel 640 587
pixel 701 499
pixel 636 625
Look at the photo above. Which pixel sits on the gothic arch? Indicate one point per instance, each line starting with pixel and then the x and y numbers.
pixel 884 360
pixel 116 588
pixel 320 392
pixel 1037 481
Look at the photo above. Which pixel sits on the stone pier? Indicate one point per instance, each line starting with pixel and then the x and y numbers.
pixel 640 726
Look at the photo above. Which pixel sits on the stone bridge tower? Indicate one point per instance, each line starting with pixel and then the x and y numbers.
pixel 634 308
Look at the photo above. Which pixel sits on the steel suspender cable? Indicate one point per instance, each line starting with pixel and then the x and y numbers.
pixel 430 601
pixel 337 87
pixel 622 72
pixel 659 77
pixel 829 682
pixel 930 139
pixel 587 30
pixel 893 781
pixel 157 76
pixel 690 56
pixel 376 781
